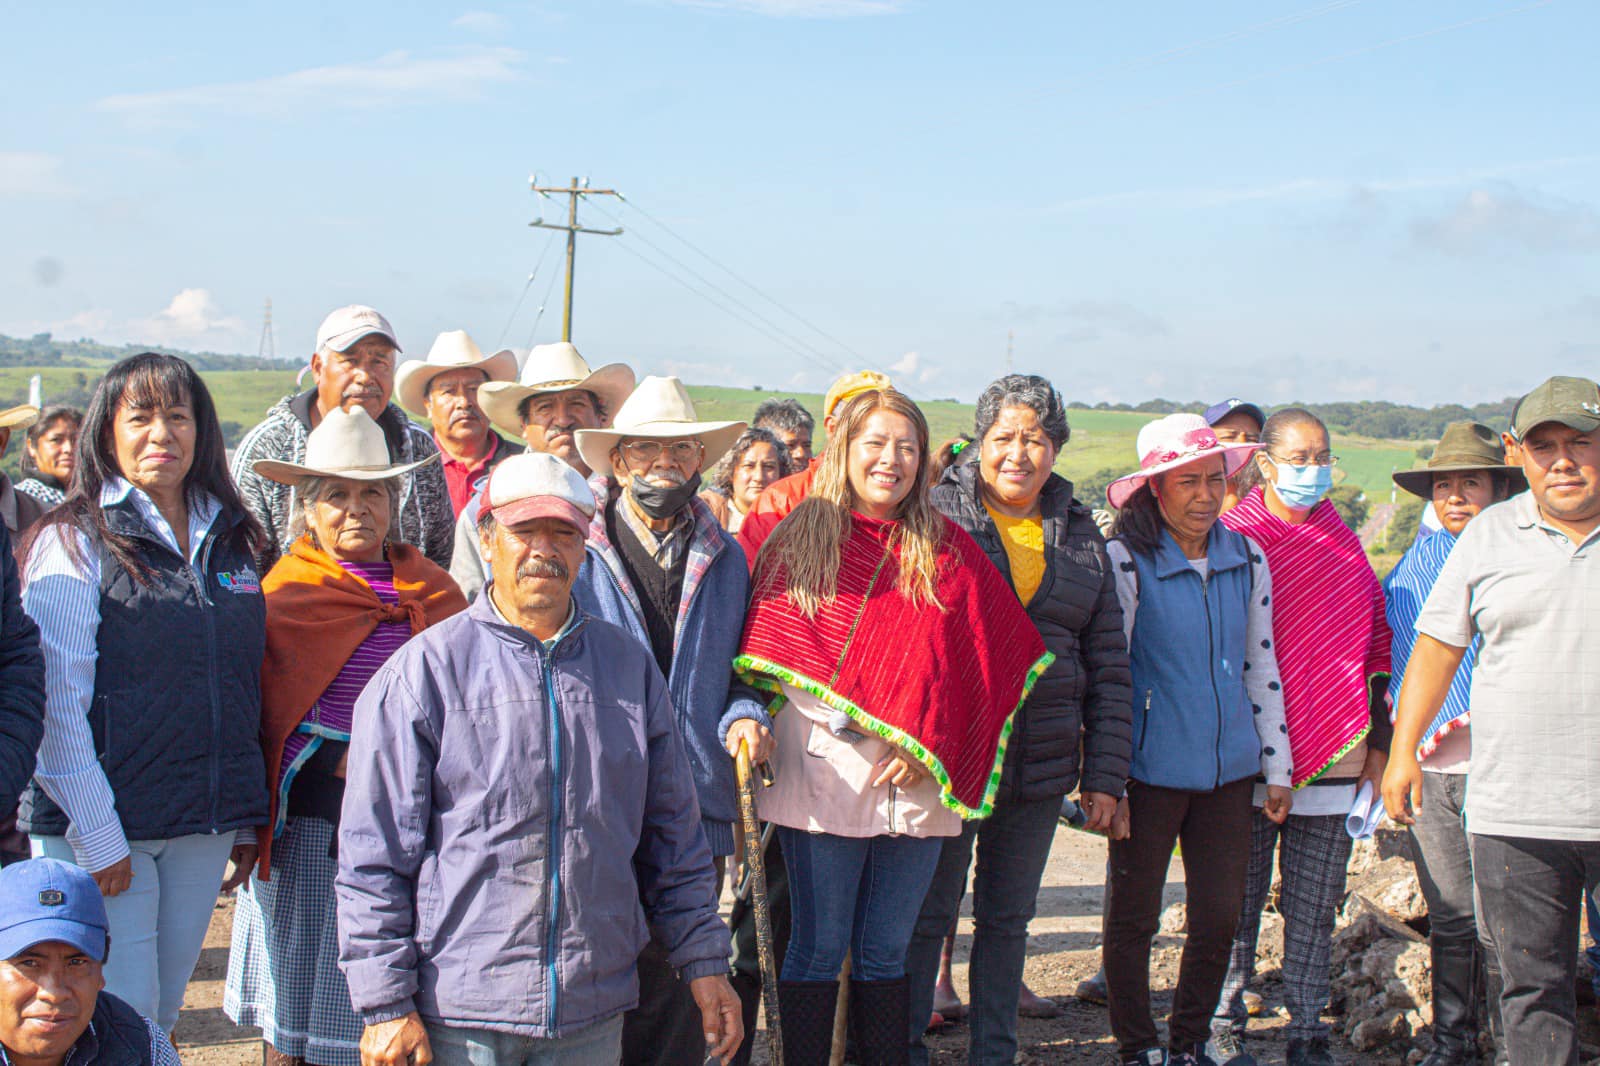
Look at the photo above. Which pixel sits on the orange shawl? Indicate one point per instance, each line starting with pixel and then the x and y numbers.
pixel 318 614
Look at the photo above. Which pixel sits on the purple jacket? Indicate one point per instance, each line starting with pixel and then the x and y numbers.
pixel 511 819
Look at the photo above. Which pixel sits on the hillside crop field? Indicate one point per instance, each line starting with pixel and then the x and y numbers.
pixel 1101 440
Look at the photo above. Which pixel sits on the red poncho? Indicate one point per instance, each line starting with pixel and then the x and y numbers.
pixel 942 684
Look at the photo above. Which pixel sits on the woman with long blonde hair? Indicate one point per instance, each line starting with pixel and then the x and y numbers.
pixel 897 655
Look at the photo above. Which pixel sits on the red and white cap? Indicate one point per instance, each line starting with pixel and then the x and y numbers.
pixel 538 485
pixel 344 327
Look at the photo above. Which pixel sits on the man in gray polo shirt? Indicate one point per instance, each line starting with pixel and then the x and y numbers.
pixel 1525 576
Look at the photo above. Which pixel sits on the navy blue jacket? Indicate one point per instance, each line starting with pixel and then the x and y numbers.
pixel 21 684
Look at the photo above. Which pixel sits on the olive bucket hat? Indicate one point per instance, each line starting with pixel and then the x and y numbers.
pixel 1464 446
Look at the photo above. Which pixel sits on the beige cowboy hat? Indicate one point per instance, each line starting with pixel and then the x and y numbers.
pixel 553 368
pixel 661 408
pixel 19 417
pixel 452 350
pixel 345 444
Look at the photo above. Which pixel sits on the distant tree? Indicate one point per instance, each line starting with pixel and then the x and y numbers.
pixel 1351 504
pixel 1405 522
pixel 1091 490
pixel 1424 451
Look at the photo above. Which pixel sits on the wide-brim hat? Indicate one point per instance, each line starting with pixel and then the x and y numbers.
pixel 452 350
pixel 660 408
pixel 553 368
pixel 1463 446
pixel 345 444
pixel 19 417
pixel 1174 441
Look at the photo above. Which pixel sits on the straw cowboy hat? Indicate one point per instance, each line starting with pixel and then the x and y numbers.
pixel 1464 446
pixel 660 408
pixel 347 444
pixel 19 417
pixel 453 350
pixel 553 368
pixel 1171 442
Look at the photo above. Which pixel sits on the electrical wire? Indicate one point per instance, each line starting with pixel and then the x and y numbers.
pixel 548 289
pixel 524 294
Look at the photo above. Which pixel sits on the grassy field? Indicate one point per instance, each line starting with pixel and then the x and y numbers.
pixel 1101 440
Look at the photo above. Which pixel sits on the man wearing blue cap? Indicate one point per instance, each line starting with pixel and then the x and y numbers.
pixel 53 941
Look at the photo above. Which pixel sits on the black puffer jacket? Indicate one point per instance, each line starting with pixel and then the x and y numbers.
pixel 1087 692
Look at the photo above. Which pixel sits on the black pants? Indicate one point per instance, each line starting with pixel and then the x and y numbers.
pixel 746 957
pixel 1214 828
pixel 665 1028
pixel 1530 900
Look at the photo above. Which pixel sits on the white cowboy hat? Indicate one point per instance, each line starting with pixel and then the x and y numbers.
pixel 553 368
pixel 345 444
pixel 661 408
pixel 1171 442
pixel 19 417
pixel 453 350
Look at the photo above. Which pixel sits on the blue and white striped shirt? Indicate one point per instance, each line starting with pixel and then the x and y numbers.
pixel 1405 590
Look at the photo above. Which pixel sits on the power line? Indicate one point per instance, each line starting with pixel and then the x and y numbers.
pixel 551 240
pixel 574 193
pixel 686 268
pixel 548 289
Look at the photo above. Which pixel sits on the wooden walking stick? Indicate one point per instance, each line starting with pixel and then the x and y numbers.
pixel 756 879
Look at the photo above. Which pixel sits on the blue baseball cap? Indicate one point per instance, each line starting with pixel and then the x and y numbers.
pixel 1218 411
pixel 47 899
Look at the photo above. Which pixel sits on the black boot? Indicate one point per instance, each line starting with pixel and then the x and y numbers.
pixel 748 989
pixel 807 1009
pixel 880 1018
pixel 1492 1023
pixel 1455 1003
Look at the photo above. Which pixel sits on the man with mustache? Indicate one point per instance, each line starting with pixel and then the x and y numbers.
pixel 496 915
pixel 443 388
pixel 1525 579
pixel 660 566
pixel 353 366
pixel 53 1008
pixel 555 396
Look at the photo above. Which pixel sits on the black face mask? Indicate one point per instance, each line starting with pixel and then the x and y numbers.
pixel 660 502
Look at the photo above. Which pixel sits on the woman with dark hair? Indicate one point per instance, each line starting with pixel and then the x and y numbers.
pixel 1208 719
pixel 1333 651
pixel 899 656
pixel 150 613
pixel 49 455
pixel 1074 731
pixel 756 460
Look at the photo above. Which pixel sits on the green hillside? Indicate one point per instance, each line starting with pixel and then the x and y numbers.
pixel 1102 441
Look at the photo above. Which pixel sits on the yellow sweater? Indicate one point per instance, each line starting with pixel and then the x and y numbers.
pixel 1024 541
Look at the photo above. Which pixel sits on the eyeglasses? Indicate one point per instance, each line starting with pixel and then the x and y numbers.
pixel 1305 460
pixel 682 452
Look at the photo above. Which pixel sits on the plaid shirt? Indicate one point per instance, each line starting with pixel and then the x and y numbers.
pixel 666 548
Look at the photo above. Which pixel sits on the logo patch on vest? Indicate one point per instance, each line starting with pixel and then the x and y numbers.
pixel 52 897
pixel 244 582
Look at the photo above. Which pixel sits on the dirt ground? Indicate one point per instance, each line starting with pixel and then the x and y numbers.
pixel 1063 949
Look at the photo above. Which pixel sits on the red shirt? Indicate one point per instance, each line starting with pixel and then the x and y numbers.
pixel 460 477
pixel 772 507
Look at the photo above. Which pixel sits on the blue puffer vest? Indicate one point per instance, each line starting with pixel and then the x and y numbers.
pixel 1193 727
pixel 176 714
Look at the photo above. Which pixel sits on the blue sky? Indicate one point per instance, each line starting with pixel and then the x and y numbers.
pixel 1314 199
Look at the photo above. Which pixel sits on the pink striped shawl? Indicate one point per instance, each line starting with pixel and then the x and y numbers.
pixel 1328 622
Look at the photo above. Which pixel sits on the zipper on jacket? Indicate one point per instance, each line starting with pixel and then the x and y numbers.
pixel 1144 731
pixel 553 895
pixel 207 605
pixel 1211 673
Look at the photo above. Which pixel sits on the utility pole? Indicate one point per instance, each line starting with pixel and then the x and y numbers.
pixel 573 192
pixel 269 348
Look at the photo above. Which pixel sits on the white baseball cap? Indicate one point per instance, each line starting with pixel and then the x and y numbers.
pixel 344 327
pixel 538 485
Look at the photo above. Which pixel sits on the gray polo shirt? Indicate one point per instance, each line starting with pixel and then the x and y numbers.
pixel 1534 597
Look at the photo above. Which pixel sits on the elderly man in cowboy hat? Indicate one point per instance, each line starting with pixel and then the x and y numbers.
pixel 496 917
pixel 1522 586
pixel 555 396
pixel 353 366
pixel 443 388
pixel 1466 474
pixel 660 566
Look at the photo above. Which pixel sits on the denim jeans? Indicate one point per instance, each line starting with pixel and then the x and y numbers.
pixel 598 1045
pixel 1444 858
pixel 1013 845
pixel 158 925
pixel 855 894
pixel 1529 898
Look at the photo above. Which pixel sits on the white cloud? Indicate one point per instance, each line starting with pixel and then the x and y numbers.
pixel 32 175
pixel 912 369
pixel 485 22
pixel 193 317
pixel 389 79
pixel 803 9
pixel 1502 217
